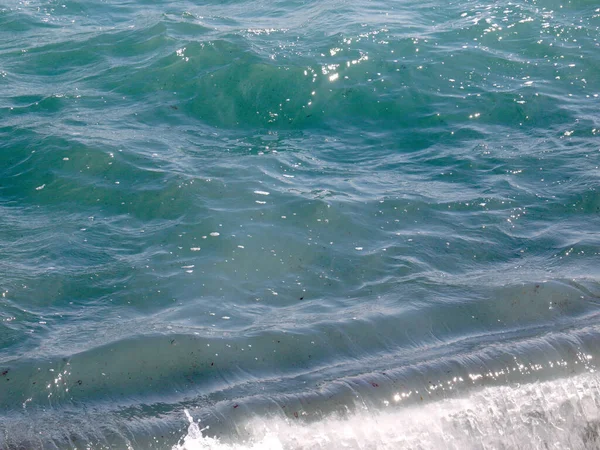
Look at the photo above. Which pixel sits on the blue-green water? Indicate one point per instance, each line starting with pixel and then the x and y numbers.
pixel 305 224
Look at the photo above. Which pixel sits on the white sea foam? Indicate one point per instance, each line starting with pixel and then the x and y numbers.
pixel 556 414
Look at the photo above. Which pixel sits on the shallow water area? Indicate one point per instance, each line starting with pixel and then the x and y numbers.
pixel 299 224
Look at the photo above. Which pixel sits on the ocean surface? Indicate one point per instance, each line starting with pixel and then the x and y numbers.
pixel 299 224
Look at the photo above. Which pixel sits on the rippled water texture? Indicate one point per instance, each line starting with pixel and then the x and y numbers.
pixel 305 224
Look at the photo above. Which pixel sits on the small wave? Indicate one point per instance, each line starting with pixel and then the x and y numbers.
pixel 562 413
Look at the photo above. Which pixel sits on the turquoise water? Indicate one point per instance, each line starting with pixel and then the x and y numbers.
pixel 299 224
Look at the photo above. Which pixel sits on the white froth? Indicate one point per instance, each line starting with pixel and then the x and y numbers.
pixel 556 414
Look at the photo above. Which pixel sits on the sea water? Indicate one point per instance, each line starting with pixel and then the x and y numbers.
pixel 299 224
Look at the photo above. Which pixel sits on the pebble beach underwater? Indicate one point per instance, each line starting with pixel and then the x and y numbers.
pixel 299 224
